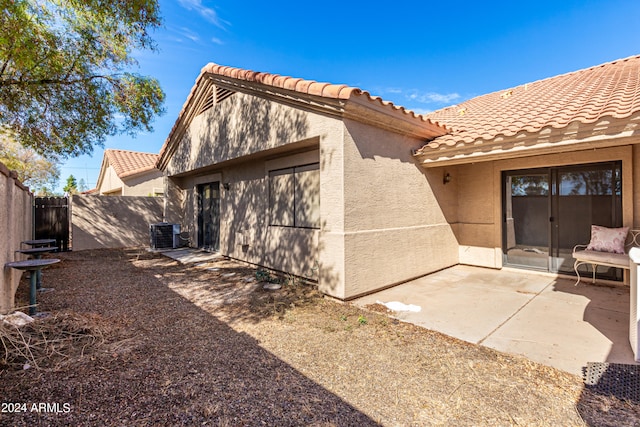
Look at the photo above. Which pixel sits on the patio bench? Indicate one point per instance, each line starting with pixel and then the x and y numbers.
pixel 595 258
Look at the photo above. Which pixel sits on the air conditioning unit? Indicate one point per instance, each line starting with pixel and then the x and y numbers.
pixel 164 235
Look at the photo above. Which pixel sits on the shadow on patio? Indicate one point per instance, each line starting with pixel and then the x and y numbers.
pixel 546 319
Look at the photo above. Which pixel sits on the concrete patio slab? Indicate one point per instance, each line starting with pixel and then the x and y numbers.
pixel 190 255
pixel 542 317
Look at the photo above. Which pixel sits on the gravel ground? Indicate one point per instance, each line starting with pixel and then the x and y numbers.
pixel 136 339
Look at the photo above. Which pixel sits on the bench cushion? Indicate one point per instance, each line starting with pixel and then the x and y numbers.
pixel 596 257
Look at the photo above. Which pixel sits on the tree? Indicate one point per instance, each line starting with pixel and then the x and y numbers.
pixel 82 186
pixel 64 84
pixel 38 173
pixel 71 186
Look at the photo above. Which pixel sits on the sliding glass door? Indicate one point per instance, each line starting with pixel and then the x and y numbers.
pixel 548 211
pixel 526 218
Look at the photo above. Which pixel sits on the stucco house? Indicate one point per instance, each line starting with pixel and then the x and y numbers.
pixel 128 173
pixel 327 181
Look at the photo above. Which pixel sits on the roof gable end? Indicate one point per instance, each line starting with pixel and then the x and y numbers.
pixel 336 100
pixel 126 163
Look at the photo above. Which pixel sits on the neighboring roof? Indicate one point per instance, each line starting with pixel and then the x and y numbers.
pixel 585 96
pixel 333 99
pixel 127 163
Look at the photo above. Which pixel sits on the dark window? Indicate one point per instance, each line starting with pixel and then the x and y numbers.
pixel 294 196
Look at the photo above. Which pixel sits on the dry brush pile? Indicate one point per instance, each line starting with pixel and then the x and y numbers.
pixel 51 342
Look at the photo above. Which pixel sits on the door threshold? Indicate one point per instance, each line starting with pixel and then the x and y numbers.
pixel 585 280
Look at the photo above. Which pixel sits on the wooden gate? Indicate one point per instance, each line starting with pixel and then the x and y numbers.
pixel 51 220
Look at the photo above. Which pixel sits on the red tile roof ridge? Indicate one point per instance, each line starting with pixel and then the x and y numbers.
pixel 129 151
pixel 309 87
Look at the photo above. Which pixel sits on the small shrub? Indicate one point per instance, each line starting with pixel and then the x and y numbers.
pixel 290 280
pixel 263 275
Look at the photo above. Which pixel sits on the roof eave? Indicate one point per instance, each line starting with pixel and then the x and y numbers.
pixel 185 116
pixel 137 172
pixel 103 168
pixel 375 112
pixel 523 144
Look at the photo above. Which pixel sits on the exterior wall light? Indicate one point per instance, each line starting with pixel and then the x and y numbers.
pixel 226 186
pixel 446 178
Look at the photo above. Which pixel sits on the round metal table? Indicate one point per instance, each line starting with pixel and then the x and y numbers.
pixel 40 242
pixel 34 266
pixel 36 253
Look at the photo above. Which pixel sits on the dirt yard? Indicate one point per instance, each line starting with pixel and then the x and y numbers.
pixel 137 339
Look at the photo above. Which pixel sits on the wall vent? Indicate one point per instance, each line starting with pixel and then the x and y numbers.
pixel 215 96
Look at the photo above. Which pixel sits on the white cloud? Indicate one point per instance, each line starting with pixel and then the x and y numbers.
pixel 206 12
pixel 189 34
pixel 433 98
pixel 186 35
pixel 414 96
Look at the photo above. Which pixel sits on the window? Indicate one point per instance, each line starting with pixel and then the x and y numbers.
pixel 294 196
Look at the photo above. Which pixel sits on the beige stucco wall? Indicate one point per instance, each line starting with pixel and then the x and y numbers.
pixel 479 221
pixel 113 222
pixel 243 126
pixel 245 232
pixel 111 184
pixel 145 184
pixel 382 220
pixel 395 228
pixel 16 225
pixel 223 145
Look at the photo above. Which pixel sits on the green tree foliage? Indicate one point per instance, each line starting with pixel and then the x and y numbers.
pixel 71 186
pixel 64 84
pixel 38 173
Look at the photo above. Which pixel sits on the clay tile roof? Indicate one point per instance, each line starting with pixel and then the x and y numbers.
pixel 297 86
pixel 127 163
pixel 611 89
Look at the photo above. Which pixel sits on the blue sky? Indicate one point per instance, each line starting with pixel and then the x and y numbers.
pixel 423 55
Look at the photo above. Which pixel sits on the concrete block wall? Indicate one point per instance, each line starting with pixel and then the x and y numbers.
pixel 16 225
